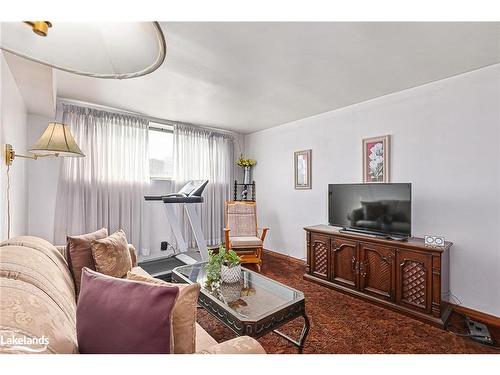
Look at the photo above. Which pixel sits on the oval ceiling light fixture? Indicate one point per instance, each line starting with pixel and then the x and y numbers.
pixel 116 50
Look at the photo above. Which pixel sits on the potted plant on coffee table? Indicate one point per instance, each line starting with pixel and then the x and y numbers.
pixel 230 271
pixel 222 266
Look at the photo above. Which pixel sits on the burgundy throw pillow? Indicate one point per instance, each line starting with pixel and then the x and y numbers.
pixel 120 316
pixel 79 254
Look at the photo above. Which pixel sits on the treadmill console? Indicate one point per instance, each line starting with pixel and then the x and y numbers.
pixel 189 193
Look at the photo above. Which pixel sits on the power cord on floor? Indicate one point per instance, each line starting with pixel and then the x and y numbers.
pixel 8 201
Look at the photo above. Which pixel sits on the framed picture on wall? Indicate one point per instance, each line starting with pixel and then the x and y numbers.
pixel 302 167
pixel 376 159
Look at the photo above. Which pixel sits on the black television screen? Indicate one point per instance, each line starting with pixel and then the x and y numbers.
pixel 373 208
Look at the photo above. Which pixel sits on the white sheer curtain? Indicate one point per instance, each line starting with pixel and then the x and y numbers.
pixel 204 154
pixel 106 188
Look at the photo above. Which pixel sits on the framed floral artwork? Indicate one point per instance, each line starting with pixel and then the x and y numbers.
pixel 302 166
pixel 376 159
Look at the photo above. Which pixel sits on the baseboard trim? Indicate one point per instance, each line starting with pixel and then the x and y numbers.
pixel 288 258
pixel 482 317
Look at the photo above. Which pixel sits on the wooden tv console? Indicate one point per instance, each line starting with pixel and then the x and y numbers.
pixel 407 276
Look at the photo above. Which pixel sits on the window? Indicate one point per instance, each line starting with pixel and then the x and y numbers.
pixel 161 148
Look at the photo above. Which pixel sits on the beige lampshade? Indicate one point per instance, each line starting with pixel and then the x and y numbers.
pixel 57 139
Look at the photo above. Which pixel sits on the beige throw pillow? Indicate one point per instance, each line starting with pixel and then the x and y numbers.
pixel 183 315
pixel 111 255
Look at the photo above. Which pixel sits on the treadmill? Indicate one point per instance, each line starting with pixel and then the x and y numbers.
pixel 187 196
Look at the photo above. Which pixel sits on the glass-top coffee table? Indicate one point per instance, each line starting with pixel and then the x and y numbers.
pixel 254 306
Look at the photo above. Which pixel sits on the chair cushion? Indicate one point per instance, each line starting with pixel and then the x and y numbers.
pixel 241 219
pixel 184 314
pixel 119 316
pixel 245 242
pixel 111 255
pixel 79 254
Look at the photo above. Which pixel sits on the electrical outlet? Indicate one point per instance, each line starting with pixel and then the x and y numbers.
pixel 164 245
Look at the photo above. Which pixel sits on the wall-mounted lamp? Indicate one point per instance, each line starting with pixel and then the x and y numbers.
pixel 56 140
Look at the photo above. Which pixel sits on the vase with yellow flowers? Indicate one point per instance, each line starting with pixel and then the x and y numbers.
pixel 247 165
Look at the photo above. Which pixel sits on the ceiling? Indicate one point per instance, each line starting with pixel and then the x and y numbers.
pixel 251 76
pixel 35 83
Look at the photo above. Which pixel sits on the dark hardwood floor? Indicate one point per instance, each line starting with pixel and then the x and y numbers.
pixel 345 324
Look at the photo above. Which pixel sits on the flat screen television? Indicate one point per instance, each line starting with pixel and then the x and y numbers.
pixel 383 209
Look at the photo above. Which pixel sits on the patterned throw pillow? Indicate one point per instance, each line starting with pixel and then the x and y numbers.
pixel 79 254
pixel 111 255
pixel 184 314
pixel 119 316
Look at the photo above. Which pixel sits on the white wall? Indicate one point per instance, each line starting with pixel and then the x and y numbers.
pixel 445 141
pixel 43 175
pixel 13 122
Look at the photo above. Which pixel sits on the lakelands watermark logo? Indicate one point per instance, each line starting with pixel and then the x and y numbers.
pixel 16 341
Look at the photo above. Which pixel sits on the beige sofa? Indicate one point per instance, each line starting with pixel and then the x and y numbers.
pixel 37 300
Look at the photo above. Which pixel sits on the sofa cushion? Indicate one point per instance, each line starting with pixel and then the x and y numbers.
pixel 119 316
pixel 79 254
pixel 111 255
pixel 140 271
pixel 238 345
pixel 204 341
pixel 245 242
pixel 184 314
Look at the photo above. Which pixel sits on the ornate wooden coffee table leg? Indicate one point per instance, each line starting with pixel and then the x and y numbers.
pixel 302 339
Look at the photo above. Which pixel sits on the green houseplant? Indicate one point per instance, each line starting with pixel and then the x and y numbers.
pixel 230 271
pixel 223 266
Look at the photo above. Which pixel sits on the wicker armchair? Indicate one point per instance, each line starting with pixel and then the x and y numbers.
pixel 241 232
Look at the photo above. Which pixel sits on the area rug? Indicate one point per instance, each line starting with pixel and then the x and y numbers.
pixel 343 324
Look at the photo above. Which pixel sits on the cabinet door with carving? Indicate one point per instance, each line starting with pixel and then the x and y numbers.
pixel 377 271
pixel 414 280
pixel 345 266
pixel 320 255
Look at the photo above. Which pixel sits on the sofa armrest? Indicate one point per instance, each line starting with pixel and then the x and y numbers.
pixel 238 345
pixel 62 250
pixel 133 254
